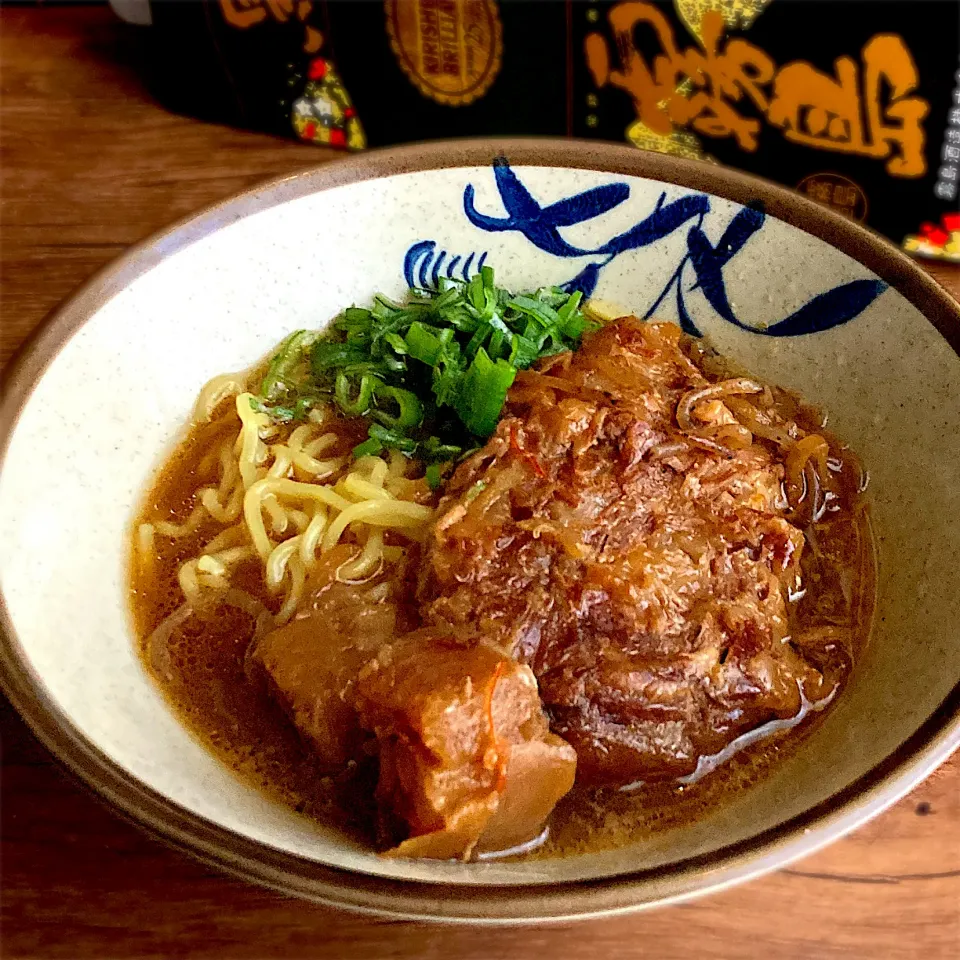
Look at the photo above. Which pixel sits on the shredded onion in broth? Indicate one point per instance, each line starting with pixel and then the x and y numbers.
pixel 719 417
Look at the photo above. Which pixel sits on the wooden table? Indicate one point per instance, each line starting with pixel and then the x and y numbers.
pixel 90 164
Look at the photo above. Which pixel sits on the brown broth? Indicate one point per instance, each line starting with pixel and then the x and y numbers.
pixel 202 673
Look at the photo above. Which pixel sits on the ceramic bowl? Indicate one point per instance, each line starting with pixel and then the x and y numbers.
pixel 796 293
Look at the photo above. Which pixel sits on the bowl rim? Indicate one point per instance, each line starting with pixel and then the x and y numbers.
pixel 879 788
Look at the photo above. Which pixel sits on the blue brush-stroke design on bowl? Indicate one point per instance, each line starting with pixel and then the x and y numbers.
pixel 423 264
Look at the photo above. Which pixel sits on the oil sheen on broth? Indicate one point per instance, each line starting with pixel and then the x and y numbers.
pixel 203 664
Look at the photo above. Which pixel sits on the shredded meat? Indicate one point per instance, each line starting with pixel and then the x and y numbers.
pixel 640 570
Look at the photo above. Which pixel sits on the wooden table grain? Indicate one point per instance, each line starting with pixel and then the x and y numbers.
pixel 91 164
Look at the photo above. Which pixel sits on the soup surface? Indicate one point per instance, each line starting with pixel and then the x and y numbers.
pixel 647 582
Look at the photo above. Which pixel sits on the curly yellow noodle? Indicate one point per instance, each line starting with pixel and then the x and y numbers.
pixel 252 451
pixel 378 469
pixel 278 516
pixel 221 513
pixel 234 505
pixel 155 645
pixel 251 606
pixel 311 536
pixel 211 565
pixel 359 489
pixel 214 392
pixel 233 555
pixel 146 547
pixel 296 439
pixel 324 442
pixel 403 489
pixel 275 569
pixel 367 563
pixel 282 460
pixel 187 575
pixel 212 583
pixel 299 519
pixel 254 499
pixel 318 469
pixel 177 530
pixel 283 497
pixel 302 492
pixel 381 513
pixel 297 579
pixel 231 537
pixel 228 466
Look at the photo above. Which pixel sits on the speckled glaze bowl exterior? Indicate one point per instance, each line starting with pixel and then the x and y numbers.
pixel 794 292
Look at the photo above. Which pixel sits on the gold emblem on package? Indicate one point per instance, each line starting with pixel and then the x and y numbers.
pixel 449 49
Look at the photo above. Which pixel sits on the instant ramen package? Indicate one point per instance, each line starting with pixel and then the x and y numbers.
pixel 852 102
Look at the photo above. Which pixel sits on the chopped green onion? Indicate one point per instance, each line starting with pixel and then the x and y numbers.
pixel 397 342
pixel 303 406
pixel 281 413
pixel 354 407
pixel 475 292
pixel 423 344
pixel 410 408
pixel 433 449
pixel 570 307
pixel 357 315
pixel 391 438
pixel 284 361
pixel 483 393
pixel 393 364
pixel 430 375
pixel 369 448
pixel 329 355
pixel 524 352
pixel 434 475
pixel 478 339
pixel 541 312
